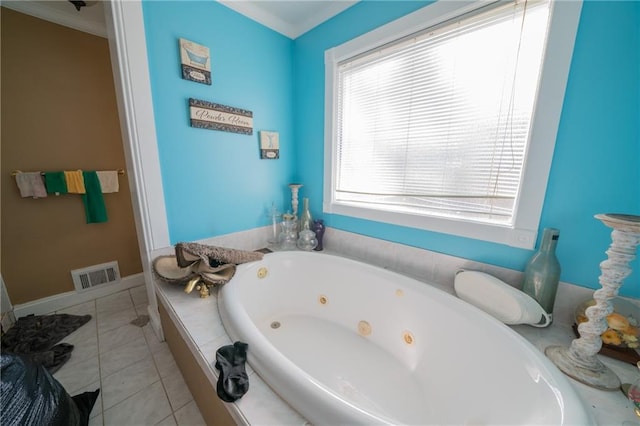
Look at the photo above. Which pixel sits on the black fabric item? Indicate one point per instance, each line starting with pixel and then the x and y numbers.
pixel 233 381
pixel 37 336
pixel 54 359
pixel 29 395
pixel 85 402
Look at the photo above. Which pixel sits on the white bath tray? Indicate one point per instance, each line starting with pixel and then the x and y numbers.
pixel 499 299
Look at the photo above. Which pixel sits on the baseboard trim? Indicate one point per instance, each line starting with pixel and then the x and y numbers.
pixel 47 305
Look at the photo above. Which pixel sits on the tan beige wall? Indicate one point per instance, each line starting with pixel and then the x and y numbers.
pixel 58 113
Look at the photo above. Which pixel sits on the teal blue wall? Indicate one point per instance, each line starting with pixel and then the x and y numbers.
pixel 597 157
pixel 214 182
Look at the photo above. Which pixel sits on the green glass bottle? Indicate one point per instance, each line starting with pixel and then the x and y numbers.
pixel 306 221
pixel 542 274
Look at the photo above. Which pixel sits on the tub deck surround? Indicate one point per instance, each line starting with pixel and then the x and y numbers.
pixel 199 323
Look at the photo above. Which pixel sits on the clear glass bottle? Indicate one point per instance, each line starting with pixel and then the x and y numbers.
pixel 305 216
pixel 542 274
pixel 275 217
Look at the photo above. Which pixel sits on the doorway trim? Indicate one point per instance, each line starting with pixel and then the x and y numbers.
pixel 128 50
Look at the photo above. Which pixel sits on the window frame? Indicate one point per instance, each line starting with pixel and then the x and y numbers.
pixel 563 25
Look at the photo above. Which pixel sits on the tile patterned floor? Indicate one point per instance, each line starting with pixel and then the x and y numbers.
pixel 140 383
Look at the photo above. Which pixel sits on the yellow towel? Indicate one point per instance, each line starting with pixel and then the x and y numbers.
pixel 75 182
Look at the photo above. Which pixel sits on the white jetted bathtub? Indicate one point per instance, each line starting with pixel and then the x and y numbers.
pixel 344 342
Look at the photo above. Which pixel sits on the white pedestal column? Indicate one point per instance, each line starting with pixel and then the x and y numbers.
pixel 580 360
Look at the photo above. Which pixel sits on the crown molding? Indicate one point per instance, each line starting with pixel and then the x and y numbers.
pixel 72 20
pixel 289 29
pixel 332 9
pixel 260 15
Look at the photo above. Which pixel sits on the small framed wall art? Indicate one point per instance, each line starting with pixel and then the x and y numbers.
pixel 269 145
pixel 196 62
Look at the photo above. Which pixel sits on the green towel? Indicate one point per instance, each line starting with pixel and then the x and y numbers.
pixel 55 183
pixel 93 201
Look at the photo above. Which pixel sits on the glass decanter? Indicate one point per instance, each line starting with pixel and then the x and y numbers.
pixel 307 240
pixel 288 237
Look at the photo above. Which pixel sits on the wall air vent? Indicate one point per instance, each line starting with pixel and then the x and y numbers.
pixel 96 275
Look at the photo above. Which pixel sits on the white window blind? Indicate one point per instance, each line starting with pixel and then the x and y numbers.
pixel 438 123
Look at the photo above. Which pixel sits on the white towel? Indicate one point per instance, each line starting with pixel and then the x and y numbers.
pixel 31 184
pixel 108 181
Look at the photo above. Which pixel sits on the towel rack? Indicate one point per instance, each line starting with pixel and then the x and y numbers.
pixel 15 172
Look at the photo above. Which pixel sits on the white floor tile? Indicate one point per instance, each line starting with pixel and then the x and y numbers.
pixel 152 339
pixel 147 407
pixel 117 337
pixel 164 360
pixel 78 375
pixel 96 421
pixel 111 320
pixel 139 295
pixel 177 390
pixel 123 356
pixel 142 309
pixel 169 421
pixel 115 302
pixel 189 415
pixel 86 331
pixel 88 308
pixel 83 349
pixel 126 382
pixel 126 362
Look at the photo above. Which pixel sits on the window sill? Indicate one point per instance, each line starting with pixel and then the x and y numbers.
pixel 508 235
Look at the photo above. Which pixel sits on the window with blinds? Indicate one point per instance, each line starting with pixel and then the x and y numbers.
pixel 437 123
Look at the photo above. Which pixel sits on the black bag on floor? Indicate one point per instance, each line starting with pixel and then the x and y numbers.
pixel 29 395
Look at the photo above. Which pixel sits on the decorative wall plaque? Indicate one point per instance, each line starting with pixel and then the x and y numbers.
pixel 212 116
pixel 196 62
pixel 269 145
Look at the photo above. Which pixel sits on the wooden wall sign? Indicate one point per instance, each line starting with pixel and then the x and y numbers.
pixel 208 115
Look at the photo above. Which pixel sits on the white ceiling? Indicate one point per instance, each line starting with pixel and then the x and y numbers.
pixel 289 17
